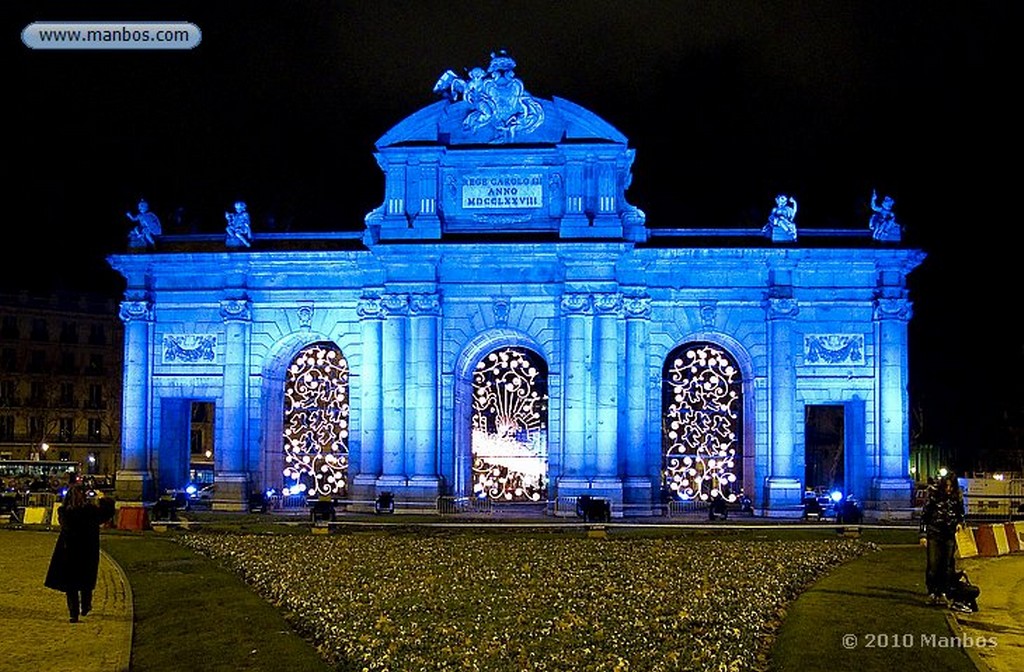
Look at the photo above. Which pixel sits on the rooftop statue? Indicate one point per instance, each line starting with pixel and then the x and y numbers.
pixel 498 104
pixel 883 223
pixel 782 220
pixel 239 230
pixel 147 225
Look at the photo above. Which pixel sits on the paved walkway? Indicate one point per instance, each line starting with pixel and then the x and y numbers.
pixel 34 630
pixel 35 633
pixel 994 635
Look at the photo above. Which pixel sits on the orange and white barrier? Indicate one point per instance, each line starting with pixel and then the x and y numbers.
pixel 991 540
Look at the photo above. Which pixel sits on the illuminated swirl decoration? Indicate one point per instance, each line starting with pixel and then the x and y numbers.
pixel 316 422
pixel 510 412
pixel 700 423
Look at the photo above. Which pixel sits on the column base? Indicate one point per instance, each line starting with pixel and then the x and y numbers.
pixel 607 487
pixel 135 486
pixel 230 492
pixel 891 499
pixel 362 493
pixel 783 497
pixel 638 497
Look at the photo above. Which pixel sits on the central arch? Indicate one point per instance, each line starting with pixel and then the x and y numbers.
pixel 500 420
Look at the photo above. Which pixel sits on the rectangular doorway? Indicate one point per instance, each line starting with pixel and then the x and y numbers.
pixel 825 448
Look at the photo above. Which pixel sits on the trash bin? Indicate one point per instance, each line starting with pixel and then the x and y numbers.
pixel 322 509
pixel 583 506
pixel 385 503
pixel 594 509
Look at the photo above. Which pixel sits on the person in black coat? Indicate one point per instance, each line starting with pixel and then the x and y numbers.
pixel 941 516
pixel 75 563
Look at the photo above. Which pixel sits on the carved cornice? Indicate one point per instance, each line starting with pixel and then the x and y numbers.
pixel 576 304
pixel 425 304
pixel 305 313
pixel 893 309
pixel 781 309
pixel 708 314
pixel 131 311
pixel 236 310
pixel 500 306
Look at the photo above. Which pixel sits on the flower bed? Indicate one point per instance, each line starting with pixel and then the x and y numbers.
pixel 505 602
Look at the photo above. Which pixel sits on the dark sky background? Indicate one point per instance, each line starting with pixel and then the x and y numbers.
pixel 727 104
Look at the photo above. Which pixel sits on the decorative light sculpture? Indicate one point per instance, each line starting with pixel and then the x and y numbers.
pixel 509 427
pixel 700 423
pixel 316 410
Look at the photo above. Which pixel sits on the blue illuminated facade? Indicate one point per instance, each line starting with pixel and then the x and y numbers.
pixel 508 327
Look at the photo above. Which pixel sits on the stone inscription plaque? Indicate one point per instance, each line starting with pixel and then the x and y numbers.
pixel 502 191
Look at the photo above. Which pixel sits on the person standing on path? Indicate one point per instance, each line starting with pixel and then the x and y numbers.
pixel 75 562
pixel 942 515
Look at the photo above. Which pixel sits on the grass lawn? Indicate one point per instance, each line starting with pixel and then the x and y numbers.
pixel 868 614
pixel 878 597
pixel 192 614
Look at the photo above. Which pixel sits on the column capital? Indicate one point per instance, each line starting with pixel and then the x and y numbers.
pixel 893 309
pixel 395 304
pixel 637 307
pixel 608 304
pixel 140 310
pixel 236 310
pixel 370 308
pixel 576 304
pixel 781 308
pixel 425 304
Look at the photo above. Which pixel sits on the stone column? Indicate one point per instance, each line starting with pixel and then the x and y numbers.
pixel 421 464
pixel 575 311
pixel 396 309
pixel 371 420
pixel 783 489
pixel 231 475
pixel 134 479
pixel 892 482
pixel 637 483
pixel 607 308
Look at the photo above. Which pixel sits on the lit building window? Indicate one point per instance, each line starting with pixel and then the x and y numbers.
pixel 509 425
pixel 316 410
pixel 701 405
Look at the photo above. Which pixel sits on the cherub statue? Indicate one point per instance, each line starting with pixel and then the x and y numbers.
pixel 883 223
pixel 147 225
pixel 239 230
pixel 782 220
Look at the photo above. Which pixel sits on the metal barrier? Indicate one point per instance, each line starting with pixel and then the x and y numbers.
pixel 566 506
pixel 447 505
pixel 679 507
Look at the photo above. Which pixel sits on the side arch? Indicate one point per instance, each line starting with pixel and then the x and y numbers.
pixel 274 374
pixel 750 460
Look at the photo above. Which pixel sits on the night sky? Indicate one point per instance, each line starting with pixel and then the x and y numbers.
pixel 726 103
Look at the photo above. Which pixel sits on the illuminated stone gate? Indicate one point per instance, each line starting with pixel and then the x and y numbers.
pixel 508 327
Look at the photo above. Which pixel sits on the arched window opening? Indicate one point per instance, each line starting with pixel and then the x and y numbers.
pixel 316 410
pixel 701 408
pixel 509 427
